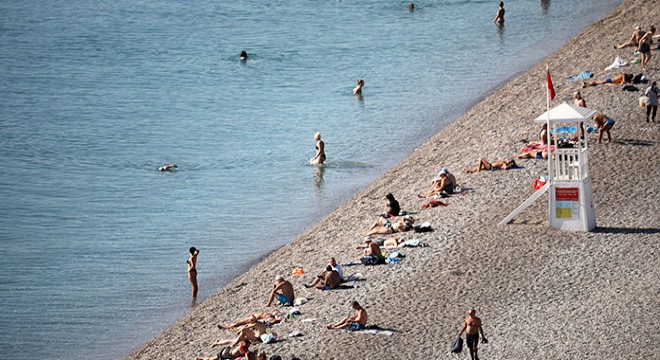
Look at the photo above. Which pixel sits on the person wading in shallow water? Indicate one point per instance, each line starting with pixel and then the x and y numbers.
pixel 472 328
pixel 192 271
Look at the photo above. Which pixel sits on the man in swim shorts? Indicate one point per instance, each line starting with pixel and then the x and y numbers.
pixel 604 124
pixel 355 322
pixel 472 327
pixel 283 290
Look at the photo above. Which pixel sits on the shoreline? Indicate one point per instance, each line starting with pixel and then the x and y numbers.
pixel 534 280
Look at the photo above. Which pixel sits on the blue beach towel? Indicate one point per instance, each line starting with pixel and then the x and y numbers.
pixel 581 76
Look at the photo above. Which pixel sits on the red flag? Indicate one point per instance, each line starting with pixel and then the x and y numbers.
pixel 551 88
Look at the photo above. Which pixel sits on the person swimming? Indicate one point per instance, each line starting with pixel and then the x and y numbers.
pixel 167 167
pixel 243 55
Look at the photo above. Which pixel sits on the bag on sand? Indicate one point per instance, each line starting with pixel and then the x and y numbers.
pixel 457 348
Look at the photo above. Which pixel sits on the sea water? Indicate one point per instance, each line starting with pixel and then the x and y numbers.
pixel 96 95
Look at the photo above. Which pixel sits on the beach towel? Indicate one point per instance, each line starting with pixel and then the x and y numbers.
pixel 457 347
pixel 410 243
pixel 581 76
pixel 618 63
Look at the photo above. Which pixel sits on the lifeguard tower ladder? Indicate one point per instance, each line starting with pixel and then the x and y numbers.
pixel 570 202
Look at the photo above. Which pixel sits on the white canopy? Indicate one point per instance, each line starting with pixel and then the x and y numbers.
pixel 565 113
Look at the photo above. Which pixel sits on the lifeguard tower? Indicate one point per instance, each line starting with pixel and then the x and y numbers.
pixel 570 203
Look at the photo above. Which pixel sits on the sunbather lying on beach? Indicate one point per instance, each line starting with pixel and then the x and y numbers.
pixel 268 318
pixel 619 79
pixel 327 280
pixel 505 164
pixel 384 226
pixel 355 322
pixel 534 154
pixel 444 183
pixel 251 333
pixel 230 352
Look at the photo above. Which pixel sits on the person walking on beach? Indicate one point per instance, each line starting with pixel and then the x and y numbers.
pixel 652 93
pixel 604 124
pixel 283 290
pixel 355 322
pixel 644 47
pixel 319 158
pixel 472 328
pixel 499 18
pixel 192 270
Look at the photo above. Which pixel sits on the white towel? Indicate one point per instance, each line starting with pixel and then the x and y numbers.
pixel 618 62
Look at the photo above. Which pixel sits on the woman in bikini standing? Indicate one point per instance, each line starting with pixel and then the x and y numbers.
pixel 192 270
pixel 644 47
pixel 320 150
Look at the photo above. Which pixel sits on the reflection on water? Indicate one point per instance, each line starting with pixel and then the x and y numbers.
pixel 318 179
pixel 500 32
pixel 545 6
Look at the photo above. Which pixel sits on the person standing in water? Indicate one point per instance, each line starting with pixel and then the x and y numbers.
pixel 358 89
pixel 499 18
pixel 192 270
pixel 243 56
pixel 319 158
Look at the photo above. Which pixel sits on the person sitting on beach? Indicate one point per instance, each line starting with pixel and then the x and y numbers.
pixel 230 352
pixel 167 167
pixel 358 89
pixel 384 226
pixel 319 158
pixel 243 56
pixel 604 124
pixel 283 290
pixel 634 39
pixel 619 79
pixel 393 208
pixel 327 280
pixel 372 254
pixel 355 322
pixel 268 318
pixel 499 18
pixel 444 184
pixel 505 164
pixel 335 267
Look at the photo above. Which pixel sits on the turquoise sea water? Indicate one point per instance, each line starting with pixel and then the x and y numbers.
pixel 96 95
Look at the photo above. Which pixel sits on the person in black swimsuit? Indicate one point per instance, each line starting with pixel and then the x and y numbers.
pixel 393 208
pixel 192 270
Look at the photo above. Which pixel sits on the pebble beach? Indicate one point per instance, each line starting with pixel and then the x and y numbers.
pixel 541 293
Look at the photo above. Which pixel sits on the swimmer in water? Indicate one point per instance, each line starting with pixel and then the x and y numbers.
pixel 358 89
pixel 167 167
pixel 243 55
pixel 411 7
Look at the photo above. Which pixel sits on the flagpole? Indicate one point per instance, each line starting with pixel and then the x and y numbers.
pixel 548 137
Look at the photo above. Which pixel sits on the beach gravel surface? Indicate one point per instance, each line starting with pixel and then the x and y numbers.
pixel 541 293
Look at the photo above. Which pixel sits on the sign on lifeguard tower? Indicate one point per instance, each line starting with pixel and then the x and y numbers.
pixel 570 202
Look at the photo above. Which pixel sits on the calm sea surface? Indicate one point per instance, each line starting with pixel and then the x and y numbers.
pixel 96 95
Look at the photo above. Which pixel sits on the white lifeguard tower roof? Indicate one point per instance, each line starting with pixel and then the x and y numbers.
pixel 566 113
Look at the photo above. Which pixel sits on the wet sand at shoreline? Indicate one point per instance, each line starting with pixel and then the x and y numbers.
pixel 541 293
